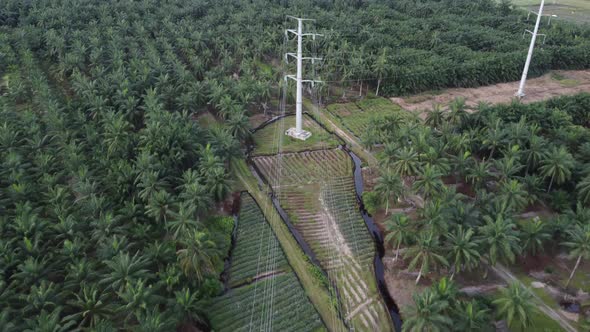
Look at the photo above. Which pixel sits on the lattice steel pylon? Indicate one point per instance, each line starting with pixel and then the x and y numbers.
pixel 298 132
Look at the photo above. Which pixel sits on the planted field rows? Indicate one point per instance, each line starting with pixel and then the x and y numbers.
pixel 257 251
pixel 275 304
pixel 317 191
pixel 271 297
pixel 356 116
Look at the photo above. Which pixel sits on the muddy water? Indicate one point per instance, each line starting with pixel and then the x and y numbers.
pixel 374 230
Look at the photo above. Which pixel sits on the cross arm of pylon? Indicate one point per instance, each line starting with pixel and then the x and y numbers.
pixel 293 77
pixel 539 34
pixel 294 55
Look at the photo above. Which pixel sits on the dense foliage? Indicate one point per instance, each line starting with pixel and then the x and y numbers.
pixel 478 174
pixel 107 184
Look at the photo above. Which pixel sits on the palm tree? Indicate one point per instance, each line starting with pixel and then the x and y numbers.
pixel 535 153
pixel 427 314
pixel 435 117
pixel 494 138
pixel 91 306
pixel 429 182
pixel 507 167
pixel 188 306
pixel 389 186
pixel 183 221
pixel 457 113
pixel 583 189
pixel 158 206
pixel 472 317
pixel 557 165
pixel 380 68
pixel 238 125
pixel 425 254
pixel 479 173
pixel 534 234
pixel 579 245
pixel 512 195
pixel 399 231
pixel 515 302
pixel 463 252
pixel 124 269
pixel 499 236
pixel 461 164
pixel 198 255
pixel 406 162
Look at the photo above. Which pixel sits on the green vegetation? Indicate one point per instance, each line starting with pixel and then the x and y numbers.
pixel 357 116
pixel 275 302
pixel 476 180
pixel 312 281
pixel 111 176
pixel 257 250
pixel 247 307
pixel 267 137
pixel 317 191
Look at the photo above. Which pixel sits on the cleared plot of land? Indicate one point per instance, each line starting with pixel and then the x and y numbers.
pixel 316 189
pixel 267 139
pixel 356 116
pixel 275 300
pixel 574 10
pixel 554 84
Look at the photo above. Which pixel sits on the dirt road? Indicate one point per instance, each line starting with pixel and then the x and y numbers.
pixel 554 84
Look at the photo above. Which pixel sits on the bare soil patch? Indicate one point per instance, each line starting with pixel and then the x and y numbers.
pixel 553 84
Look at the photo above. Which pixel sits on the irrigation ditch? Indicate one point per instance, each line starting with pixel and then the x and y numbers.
pixel 379 269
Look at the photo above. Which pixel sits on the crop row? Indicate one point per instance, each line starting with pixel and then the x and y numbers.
pixel 319 196
pixel 257 250
pixel 276 304
pixel 305 167
pixel 356 116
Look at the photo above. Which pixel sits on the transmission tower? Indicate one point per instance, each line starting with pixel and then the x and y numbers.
pixel 298 131
pixel 520 94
